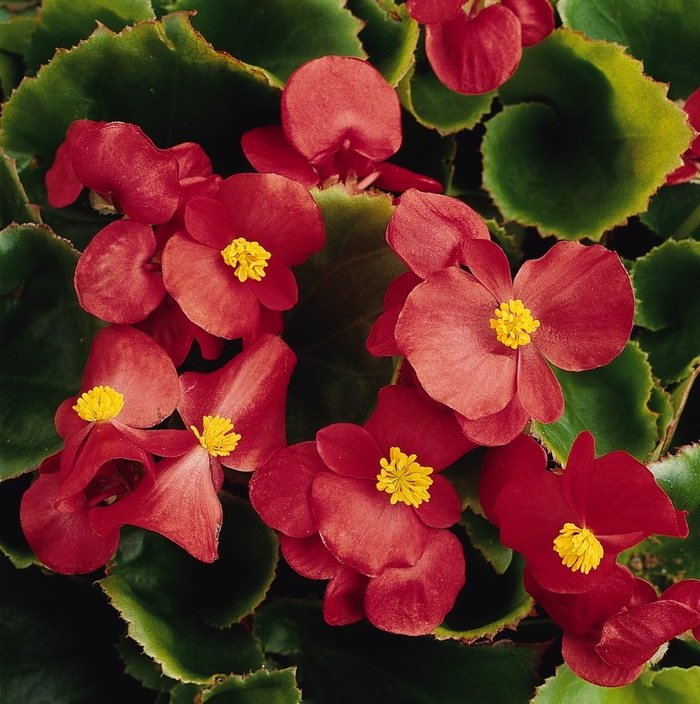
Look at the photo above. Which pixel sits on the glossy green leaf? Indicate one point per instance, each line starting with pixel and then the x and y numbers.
pixel 170 600
pixel 611 402
pixel 161 76
pixel 679 477
pixel 389 37
pixel 14 206
pixel 484 536
pixel 341 290
pixel 58 638
pixel 662 560
pixel 359 663
pixel 590 149
pixel 44 342
pixel 277 35
pixel 672 684
pixel 64 23
pixel 675 212
pixel 668 306
pixel 664 34
pixel 142 667
pixel 261 687
pixel 436 106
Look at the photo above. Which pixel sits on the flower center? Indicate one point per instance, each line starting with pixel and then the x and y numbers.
pixel 248 259
pixel 513 324
pixel 578 548
pixel 100 403
pixel 217 437
pixel 404 478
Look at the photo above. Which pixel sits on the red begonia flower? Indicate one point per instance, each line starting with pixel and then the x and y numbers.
pixel 237 252
pixel 120 163
pixel 475 49
pixel 64 542
pixel 340 121
pixel 573 307
pixel 691 157
pixel 428 232
pixel 235 418
pixel 570 527
pixel 129 383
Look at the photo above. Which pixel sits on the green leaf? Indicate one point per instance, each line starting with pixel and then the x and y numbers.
pixel 611 402
pixel 341 290
pixel 591 149
pixel 262 687
pixel 679 477
pixel 672 684
pixel 57 636
pixel 436 106
pixel 161 76
pixel 484 536
pixel 662 560
pixel 359 663
pixel 143 668
pixel 675 212
pixel 45 338
pixel 490 600
pixel 170 600
pixel 389 37
pixel 668 306
pixel 16 34
pixel 64 23
pixel 277 35
pixel 664 34
pixel 14 206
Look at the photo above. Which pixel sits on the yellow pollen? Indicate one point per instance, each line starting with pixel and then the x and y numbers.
pixel 100 403
pixel 404 479
pixel 578 548
pixel 513 324
pixel 248 259
pixel 217 436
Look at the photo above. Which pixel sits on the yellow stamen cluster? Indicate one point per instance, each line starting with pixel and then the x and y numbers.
pixel 217 437
pixel 578 548
pixel 404 478
pixel 100 403
pixel 248 259
pixel 513 324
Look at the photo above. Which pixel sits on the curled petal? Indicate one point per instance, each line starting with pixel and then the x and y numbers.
pixel 396 178
pixel 343 602
pixel 339 100
pixel 310 557
pixel 192 160
pixel 474 55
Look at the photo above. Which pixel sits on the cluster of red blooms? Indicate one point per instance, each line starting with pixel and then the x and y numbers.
pixel 365 507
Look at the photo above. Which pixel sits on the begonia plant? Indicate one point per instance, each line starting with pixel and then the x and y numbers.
pixel 440 423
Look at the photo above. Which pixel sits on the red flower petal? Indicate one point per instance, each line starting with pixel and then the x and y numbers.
pixel 207 221
pixel 170 328
pixel 207 290
pixel 269 151
pixel 335 100
pixel 432 11
pixel 413 601
pixel 444 508
pixel 64 542
pixel 499 428
pixel 489 265
pixel 473 55
pixel 444 325
pixel 130 362
pixel 276 290
pixel 396 178
pixel 343 602
pixel 405 420
pixel 192 160
pixel 113 279
pixel 280 491
pixel 310 557
pixel 428 231
pixel 349 450
pixel 583 298
pixel 539 391
pixel 536 19
pixel 362 529
pixel 119 160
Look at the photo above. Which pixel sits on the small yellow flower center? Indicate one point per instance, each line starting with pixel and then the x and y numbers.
pixel 248 259
pixel 404 478
pixel 217 437
pixel 513 324
pixel 100 403
pixel 578 548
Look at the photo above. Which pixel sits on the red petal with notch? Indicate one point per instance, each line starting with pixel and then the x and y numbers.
pixel 475 55
pixel 489 265
pixel 338 100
